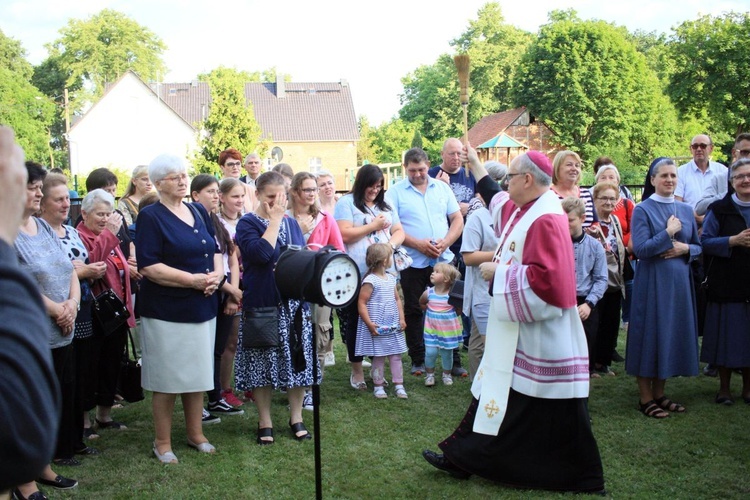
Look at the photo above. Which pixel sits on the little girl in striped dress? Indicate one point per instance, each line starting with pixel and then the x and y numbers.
pixel 442 323
pixel 380 331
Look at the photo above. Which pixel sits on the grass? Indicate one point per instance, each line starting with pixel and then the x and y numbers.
pixel 371 448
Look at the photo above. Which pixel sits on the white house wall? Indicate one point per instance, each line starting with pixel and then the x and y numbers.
pixel 128 127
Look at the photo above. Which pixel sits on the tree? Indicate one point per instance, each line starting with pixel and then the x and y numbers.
pixel 100 49
pixel 416 141
pixel 366 149
pixel 586 80
pixel 711 76
pixel 230 123
pixel 431 92
pixel 22 106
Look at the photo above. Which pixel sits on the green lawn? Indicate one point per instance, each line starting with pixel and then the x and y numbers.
pixel 371 448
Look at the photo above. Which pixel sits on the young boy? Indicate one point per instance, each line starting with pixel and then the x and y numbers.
pixel 591 273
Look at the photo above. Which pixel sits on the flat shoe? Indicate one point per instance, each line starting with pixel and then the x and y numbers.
pixel 167 457
pixel 265 432
pixel 440 462
pixel 59 483
pixel 723 400
pixel 37 495
pixel 110 425
pixel 68 462
pixel 299 427
pixel 88 451
pixel 202 447
pixel 360 386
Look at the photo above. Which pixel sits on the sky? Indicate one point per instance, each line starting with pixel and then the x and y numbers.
pixel 372 46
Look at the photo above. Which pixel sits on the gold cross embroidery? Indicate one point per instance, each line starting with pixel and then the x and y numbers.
pixel 491 408
pixel 480 374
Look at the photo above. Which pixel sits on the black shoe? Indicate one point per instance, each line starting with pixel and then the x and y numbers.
pixel 440 462
pixel 37 495
pixel 299 427
pixel 88 450
pixel 710 371
pixel 67 462
pixel 60 483
pixel 616 357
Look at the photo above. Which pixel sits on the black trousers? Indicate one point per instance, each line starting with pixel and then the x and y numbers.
pixel 413 283
pixel 110 351
pixel 348 317
pixel 609 327
pixel 224 326
pixel 63 360
pixel 590 328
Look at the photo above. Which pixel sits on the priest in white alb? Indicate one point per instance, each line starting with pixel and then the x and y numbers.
pixel 528 424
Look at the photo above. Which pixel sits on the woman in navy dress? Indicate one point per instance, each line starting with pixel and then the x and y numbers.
pixel 261 237
pixel 726 241
pixel 663 335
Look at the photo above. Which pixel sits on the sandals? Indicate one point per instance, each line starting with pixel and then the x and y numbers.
pixel 265 432
pixel 652 409
pixel 300 427
pixel 89 433
pixel 401 392
pixel 723 400
pixel 205 447
pixel 87 450
pixel 67 462
pixel 379 392
pixel 667 404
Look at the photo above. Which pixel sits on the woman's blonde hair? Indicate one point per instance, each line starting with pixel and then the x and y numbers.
pixel 558 161
pixel 448 271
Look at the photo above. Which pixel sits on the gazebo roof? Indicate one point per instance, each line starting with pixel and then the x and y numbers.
pixel 502 141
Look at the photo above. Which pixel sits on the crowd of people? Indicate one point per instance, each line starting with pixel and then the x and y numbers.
pixel 552 272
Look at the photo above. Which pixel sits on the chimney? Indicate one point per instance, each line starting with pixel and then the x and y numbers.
pixel 280 86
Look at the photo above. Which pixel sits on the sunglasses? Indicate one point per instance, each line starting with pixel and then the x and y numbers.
pixel 699 146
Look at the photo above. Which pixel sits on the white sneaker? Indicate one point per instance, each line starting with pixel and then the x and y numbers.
pixel 307 401
pixel 366 364
pixel 447 379
pixel 330 359
pixel 429 380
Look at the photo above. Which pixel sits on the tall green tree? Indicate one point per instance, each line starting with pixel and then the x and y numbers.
pixel 431 91
pixel 711 76
pixel 100 49
pixel 587 81
pixel 231 122
pixel 22 106
pixel 366 149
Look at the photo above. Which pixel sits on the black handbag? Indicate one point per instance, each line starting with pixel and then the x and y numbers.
pixel 456 294
pixel 109 312
pixel 260 327
pixel 130 375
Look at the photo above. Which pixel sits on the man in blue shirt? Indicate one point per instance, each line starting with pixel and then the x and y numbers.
pixel 432 221
pixel 463 185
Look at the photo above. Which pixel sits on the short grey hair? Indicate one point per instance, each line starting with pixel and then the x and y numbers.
pixel 742 162
pixel 95 197
pixel 495 170
pixel 164 165
pixel 251 155
pixel 323 173
pixel 524 165
pixel 609 166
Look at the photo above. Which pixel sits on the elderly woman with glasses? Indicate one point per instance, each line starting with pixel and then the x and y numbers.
pixel 726 243
pixel 98 231
pixel 182 269
pixel 663 334
pixel 608 230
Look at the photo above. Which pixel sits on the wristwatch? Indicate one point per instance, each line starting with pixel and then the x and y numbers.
pixel 78 304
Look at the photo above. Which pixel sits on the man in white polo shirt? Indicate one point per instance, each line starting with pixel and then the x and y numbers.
pixel 694 177
pixel 432 221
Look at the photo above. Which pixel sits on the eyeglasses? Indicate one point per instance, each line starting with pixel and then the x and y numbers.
pixel 175 178
pixel 510 176
pixel 699 145
pixel 232 164
pixel 743 153
pixel 741 177
pixel 607 200
pixel 309 190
